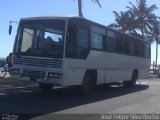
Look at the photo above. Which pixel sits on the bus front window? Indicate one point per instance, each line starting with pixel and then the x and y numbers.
pixel 51 41
pixel 42 38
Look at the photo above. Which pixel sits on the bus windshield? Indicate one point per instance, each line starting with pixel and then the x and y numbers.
pixel 42 38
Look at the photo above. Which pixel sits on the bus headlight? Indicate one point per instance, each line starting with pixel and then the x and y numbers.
pixel 54 75
pixel 15 71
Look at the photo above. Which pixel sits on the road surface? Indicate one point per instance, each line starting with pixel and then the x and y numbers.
pixel 32 103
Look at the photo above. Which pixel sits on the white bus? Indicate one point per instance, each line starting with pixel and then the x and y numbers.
pixel 68 51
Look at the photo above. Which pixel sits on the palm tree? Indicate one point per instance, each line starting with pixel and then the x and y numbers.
pixel 156 35
pixel 80 6
pixel 144 16
pixel 124 21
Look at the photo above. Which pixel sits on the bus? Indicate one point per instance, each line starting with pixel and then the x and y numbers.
pixel 73 51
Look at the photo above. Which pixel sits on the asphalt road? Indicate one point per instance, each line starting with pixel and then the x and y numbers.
pixel 32 103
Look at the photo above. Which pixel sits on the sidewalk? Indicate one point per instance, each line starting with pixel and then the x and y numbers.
pixel 8 83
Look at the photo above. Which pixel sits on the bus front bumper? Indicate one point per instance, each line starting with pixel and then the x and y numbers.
pixel 38 76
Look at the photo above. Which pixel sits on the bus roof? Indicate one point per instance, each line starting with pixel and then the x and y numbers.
pixel 50 17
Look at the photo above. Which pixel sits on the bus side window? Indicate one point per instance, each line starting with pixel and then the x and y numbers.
pixel 131 48
pixel 71 41
pixel 97 41
pixel 139 50
pixel 77 41
pixel 118 45
pixel 111 41
pixel 82 43
pixel 146 51
pixel 125 46
pixel 82 38
pixel 97 37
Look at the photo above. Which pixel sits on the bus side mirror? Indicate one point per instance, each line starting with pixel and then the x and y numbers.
pixel 10 29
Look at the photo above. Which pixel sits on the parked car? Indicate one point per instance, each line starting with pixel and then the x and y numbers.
pixel 156 71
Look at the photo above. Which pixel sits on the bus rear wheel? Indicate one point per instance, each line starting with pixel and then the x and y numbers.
pixel 132 82
pixel 45 87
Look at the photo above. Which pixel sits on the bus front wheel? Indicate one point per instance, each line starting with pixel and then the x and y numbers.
pixel 45 87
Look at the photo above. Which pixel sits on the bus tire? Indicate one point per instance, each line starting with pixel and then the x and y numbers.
pixel 45 87
pixel 132 82
pixel 89 83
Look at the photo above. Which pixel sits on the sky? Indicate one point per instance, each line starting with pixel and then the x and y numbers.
pixel 14 10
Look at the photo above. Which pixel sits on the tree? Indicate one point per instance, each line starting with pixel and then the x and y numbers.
pixel 124 21
pixel 80 6
pixel 144 16
pixel 156 35
pixel 140 19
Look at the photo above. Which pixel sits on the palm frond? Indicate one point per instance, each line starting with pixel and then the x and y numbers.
pixel 97 1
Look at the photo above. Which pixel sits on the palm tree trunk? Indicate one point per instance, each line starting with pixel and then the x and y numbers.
pixel 80 8
pixel 142 33
pixel 156 53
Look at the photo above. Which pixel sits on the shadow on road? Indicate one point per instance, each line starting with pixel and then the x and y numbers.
pixel 36 102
